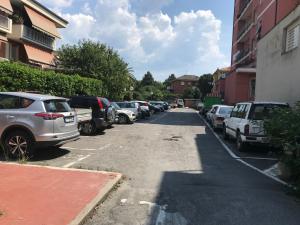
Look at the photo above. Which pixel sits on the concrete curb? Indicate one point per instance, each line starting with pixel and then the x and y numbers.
pixel 89 208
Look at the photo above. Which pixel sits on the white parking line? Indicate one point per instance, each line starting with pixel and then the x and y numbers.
pixel 104 147
pixel 77 161
pixel 234 156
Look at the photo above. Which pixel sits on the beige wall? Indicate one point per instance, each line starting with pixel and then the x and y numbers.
pixel 278 72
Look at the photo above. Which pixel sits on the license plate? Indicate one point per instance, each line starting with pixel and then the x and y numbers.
pixel 69 119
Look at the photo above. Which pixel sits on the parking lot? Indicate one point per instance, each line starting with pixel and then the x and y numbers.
pixel 174 165
pixel 118 140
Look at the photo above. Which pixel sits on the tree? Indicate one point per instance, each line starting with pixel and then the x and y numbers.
pixel 169 80
pixel 147 79
pixel 205 84
pixel 96 60
pixel 191 93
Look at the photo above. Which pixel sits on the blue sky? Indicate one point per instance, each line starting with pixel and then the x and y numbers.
pixel 161 36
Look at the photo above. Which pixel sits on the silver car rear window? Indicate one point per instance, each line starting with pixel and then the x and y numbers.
pixel 57 105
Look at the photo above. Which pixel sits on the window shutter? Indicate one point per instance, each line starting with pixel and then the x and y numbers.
pixel 292 38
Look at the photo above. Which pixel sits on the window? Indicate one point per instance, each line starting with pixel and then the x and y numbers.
pixel 241 111
pixel 55 106
pixel 225 110
pixel 262 111
pixel 235 111
pixel 9 102
pixel 292 38
pixel 182 83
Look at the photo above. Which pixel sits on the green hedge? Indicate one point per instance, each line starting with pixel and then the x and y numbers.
pixel 20 77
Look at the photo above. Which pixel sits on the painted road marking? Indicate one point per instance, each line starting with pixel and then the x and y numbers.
pixel 234 156
pixel 77 161
pixel 164 217
pixel 104 147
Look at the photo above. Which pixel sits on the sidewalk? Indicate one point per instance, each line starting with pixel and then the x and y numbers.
pixel 34 195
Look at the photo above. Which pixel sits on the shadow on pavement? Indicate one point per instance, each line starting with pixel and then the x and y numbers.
pixel 222 192
pixel 48 154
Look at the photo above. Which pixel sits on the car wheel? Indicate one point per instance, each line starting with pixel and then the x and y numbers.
pixel 123 119
pixel 225 135
pixel 89 128
pixel 241 146
pixel 18 145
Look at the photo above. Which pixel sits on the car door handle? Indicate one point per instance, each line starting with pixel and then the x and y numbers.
pixel 10 117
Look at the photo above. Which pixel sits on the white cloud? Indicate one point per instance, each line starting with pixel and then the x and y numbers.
pixel 186 43
pixel 57 4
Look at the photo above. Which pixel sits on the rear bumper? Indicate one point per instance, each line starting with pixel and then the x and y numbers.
pixel 56 142
pixel 101 124
pixel 256 139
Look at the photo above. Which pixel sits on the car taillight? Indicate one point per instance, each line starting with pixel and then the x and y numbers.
pixel 49 116
pixel 146 104
pixel 100 103
pixel 220 119
pixel 247 129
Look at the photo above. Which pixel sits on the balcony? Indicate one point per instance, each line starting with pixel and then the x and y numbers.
pixel 5 24
pixel 243 8
pixel 242 32
pixel 22 32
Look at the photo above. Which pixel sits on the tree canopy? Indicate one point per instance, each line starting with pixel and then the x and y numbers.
pixel 96 60
pixel 205 84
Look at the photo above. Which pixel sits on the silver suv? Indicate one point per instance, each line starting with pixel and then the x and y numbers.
pixel 28 121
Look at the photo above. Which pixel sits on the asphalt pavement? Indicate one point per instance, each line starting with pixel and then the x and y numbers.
pixel 176 172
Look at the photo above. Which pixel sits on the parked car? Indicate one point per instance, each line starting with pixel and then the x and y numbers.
pixel 145 111
pixel 245 123
pixel 85 120
pixel 103 114
pixel 131 106
pixel 166 105
pixel 208 103
pixel 124 116
pixel 218 114
pixel 158 104
pixel 28 121
pixel 180 103
pixel 173 105
pixel 154 109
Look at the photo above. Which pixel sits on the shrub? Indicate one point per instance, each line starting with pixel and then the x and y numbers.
pixel 19 77
pixel 283 129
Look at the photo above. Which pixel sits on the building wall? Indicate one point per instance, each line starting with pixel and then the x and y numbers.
pixel 267 13
pixel 177 88
pixel 278 71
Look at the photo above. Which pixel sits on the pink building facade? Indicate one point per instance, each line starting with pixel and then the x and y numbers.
pixel 253 19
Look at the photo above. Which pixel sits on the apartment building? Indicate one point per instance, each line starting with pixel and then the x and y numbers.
pixel 219 77
pixel 253 19
pixel 278 57
pixel 184 82
pixel 29 32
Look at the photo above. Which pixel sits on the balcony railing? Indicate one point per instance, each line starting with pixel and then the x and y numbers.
pixel 243 6
pixel 38 37
pixel 5 23
pixel 244 30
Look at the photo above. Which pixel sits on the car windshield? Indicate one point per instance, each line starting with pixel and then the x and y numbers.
pixel 225 110
pixel 115 105
pixel 262 111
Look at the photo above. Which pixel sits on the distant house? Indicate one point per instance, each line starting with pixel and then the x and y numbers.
pixel 182 83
